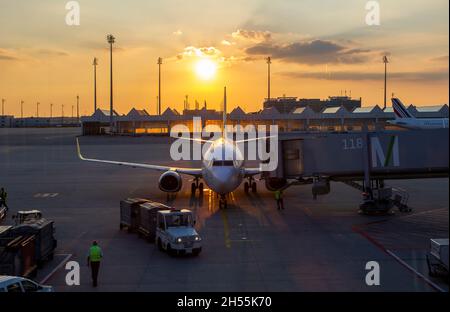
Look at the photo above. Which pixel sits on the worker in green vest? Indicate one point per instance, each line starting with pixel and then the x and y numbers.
pixel 3 197
pixel 279 199
pixel 95 255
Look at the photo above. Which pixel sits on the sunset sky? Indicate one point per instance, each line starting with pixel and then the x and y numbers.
pixel 318 49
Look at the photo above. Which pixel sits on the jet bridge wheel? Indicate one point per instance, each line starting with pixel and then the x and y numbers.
pixel 193 188
pixel 246 187
pixel 253 187
pixel 200 188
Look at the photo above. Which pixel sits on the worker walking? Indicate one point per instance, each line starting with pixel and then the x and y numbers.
pixel 279 199
pixel 95 255
pixel 3 197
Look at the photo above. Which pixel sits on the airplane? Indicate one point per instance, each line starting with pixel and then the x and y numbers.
pixel 404 119
pixel 221 176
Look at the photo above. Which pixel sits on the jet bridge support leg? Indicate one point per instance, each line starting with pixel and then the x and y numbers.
pixel 377 197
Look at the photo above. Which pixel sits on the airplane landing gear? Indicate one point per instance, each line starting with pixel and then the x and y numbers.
pixel 222 202
pixel 251 184
pixel 196 185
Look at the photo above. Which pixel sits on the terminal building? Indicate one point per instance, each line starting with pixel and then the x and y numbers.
pixel 289 104
pixel 289 113
pixel 304 118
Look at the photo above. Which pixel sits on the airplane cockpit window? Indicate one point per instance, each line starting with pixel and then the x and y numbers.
pixel 223 163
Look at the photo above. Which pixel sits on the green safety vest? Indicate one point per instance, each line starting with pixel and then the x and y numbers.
pixel 277 194
pixel 95 254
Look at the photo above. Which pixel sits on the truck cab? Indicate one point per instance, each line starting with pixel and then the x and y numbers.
pixel 175 232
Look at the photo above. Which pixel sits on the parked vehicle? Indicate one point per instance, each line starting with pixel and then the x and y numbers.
pixel 175 232
pixel 148 217
pixel 21 284
pixel 437 258
pixel 130 213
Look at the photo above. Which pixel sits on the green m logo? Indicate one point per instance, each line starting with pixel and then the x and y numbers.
pixel 379 158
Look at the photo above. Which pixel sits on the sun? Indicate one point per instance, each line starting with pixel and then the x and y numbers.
pixel 206 69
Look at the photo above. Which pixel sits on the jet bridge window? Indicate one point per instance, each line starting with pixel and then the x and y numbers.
pixel 223 163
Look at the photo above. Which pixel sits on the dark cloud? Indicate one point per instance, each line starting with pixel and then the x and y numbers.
pixel 311 52
pixel 6 56
pixel 252 35
pixel 404 76
pixel 443 58
pixel 48 52
pixel 98 45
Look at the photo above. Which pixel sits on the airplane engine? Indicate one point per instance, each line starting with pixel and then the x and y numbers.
pixel 170 181
pixel 273 184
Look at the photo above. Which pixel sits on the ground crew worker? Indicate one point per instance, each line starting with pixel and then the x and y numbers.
pixel 3 197
pixel 279 198
pixel 95 255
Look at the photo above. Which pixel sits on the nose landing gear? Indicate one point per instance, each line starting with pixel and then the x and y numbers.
pixel 222 202
pixel 250 185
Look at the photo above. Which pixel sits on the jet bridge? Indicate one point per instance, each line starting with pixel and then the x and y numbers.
pixel 364 160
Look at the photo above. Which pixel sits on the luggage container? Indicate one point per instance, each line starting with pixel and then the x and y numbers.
pixel 3 211
pixel 43 230
pixel 147 220
pixel 17 256
pixel 130 213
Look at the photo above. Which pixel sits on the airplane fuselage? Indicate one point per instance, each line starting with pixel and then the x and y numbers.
pixel 222 173
pixel 420 123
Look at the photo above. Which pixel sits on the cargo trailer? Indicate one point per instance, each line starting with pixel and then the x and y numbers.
pixel 130 213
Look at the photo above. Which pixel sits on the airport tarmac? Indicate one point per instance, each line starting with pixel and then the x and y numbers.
pixel 313 245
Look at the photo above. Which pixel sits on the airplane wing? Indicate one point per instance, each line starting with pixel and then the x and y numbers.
pixel 248 172
pixel 197 172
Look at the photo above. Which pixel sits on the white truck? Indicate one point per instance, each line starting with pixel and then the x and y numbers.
pixel 175 232
pixel 437 258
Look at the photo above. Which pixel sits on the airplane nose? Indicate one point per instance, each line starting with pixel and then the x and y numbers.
pixel 225 179
pixel 224 175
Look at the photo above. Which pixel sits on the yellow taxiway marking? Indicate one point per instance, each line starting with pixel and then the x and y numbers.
pixel 226 230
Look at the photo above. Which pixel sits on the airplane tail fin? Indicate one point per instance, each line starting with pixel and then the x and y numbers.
pixel 400 110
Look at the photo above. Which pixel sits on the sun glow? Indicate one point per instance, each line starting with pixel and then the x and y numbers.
pixel 206 69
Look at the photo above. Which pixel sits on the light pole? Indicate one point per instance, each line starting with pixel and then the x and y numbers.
pixel 37 110
pixel 269 61
pixel 111 40
pixel 159 85
pixel 72 113
pixel 21 109
pixel 95 63
pixel 51 110
pixel 62 114
pixel 3 107
pixel 78 108
pixel 385 61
